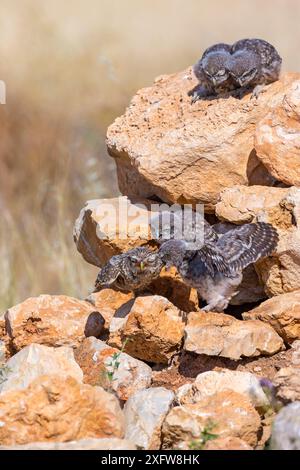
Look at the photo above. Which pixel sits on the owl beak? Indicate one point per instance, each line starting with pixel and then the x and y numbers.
pixel 142 266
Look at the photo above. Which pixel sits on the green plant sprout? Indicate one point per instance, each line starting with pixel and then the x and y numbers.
pixel 205 436
pixel 115 363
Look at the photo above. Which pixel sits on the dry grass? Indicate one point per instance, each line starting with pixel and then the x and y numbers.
pixel 70 69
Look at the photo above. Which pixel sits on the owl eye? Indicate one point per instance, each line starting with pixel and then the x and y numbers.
pixel 221 73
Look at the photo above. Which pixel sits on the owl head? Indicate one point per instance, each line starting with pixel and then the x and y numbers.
pixel 141 260
pixel 215 67
pixel 244 66
pixel 172 253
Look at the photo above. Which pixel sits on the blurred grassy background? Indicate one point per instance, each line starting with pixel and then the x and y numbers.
pixel 70 69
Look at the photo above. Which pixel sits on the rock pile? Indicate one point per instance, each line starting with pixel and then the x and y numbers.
pixel 154 371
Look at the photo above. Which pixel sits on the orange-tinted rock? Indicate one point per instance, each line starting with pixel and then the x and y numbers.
pixel 282 312
pixel 112 369
pixel 227 443
pixel 226 413
pixel 58 409
pixel 106 227
pixel 153 329
pixel 277 138
pixel 53 320
pixel 110 302
pixel 165 146
pixel 217 334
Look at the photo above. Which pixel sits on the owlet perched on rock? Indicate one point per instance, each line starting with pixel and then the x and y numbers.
pixel 130 271
pixel 215 270
pixel 248 63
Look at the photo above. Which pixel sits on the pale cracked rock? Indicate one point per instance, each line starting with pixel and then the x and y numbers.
pixel 279 273
pixel 112 369
pixel 211 382
pixel 53 320
pixel 287 383
pixel 228 413
pixel 277 138
pixel 218 334
pixel 282 312
pixel 84 444
pixel 286 428
pixel 153 328
pixel 36 360
pixel 58 409
pixel 145 412
pixel 167 147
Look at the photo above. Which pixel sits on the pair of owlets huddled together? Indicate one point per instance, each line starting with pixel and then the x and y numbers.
pixel 247 64
pixel 214 269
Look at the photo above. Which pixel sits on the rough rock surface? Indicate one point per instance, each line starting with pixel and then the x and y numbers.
pixel 58 409
pixel 106 227
pixel 282 312
pixel 124 374
pixel 279 273
pixel 83 444
pixel 154 329
pixel 53 320
pixel 286 428
pixel 287 382
pixel 166 147
pixel 36 360
pixel 228 413
pixel 144 415
pixel 209 383
pixel 218 334
pixel 277 138
pixel 110 302
pixel 227 443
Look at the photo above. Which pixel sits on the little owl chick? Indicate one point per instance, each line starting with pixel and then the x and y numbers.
pixel 212 71
pixel 247 63
pixel 216 269
pixel 130 271
pixel 254 63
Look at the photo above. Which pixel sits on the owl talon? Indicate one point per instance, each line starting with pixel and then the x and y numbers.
pixel 257 91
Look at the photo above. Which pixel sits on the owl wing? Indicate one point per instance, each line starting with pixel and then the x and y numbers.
pixel 246 244
pixel 109 273
pixel 238 247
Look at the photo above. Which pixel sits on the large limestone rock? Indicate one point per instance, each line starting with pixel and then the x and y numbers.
pixel 106 227
pixel 36 360
pixel 54 408
pixel 211 382
pixel 218 334
pixel 279 273
pixel 144 415
pixel 277 138
pixel 112 369
pixel 164 146
pixel 228 413
pixel 53 320
pixel 286 428
pixel 282 312
pixel 83 444
pixel 153 330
